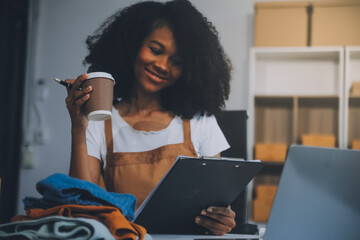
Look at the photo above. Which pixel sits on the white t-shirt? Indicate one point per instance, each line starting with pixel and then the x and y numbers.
pixel 206 136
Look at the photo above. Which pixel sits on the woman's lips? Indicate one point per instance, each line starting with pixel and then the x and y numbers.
pixel 154 77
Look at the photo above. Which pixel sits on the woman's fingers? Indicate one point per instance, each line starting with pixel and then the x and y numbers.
pixel 215 227
pixel 70 81
pixel 219 220
pixel 81 93
pixel 76 84
pixel 225 220
pixel 77 96
pixel 220 211
pixel 81 100
pixel 75 99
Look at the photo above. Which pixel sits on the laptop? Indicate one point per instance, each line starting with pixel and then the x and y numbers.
pixel 318 196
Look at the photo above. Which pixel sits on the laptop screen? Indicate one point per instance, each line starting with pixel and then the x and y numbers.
pixel 318 196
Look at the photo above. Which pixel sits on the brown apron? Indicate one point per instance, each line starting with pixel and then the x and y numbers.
pixel 138 173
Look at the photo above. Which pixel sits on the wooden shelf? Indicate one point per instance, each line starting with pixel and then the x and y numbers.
pixel 318 116
pixel 273 119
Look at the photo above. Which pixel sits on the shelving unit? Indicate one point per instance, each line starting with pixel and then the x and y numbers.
pixel 296 91
pixel 352 103
pixel 292 88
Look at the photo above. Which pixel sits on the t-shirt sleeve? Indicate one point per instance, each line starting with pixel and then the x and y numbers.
pixel 207 137
pixel 94 139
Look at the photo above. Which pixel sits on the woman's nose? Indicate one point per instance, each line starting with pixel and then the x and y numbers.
pixel 161 65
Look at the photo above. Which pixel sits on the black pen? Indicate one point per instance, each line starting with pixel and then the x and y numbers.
pixel 68 85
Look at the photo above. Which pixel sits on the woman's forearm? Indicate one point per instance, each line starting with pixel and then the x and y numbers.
pixel 79 166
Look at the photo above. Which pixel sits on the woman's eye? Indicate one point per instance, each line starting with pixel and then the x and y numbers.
pixel 155 51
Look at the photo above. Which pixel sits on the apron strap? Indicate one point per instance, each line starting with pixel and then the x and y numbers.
pixel 108 136
pixel 186 131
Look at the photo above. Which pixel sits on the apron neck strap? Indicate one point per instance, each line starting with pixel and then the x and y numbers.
pixel 108 136
pixel 186 130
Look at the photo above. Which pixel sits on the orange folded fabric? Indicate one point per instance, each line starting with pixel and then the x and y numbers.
pixel 111 217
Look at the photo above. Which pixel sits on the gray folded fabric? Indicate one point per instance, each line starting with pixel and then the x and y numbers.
pixel 56 227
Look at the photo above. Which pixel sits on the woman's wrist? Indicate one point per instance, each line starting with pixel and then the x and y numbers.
pixel 78 135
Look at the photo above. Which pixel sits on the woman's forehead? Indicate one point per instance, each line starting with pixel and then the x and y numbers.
pixel 162 36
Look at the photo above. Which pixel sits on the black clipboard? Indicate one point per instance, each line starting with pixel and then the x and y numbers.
pixel 193 184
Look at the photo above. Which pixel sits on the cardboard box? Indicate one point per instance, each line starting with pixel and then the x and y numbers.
pixel 265 192
pixel 272 152
pixel 280 24
pixel 261 210
pixel 335 23
pixel 355 91
pixel 265 195
pixel 356 144
pixel 355 88
pixel 319 140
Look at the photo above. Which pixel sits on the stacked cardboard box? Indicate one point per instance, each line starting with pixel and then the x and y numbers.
pixel 307 23
pixel 356 144
pixel 319 140
pixel 262 204
pixel 271 152
pixel 280 24
pixel 355 88
pixel 335 23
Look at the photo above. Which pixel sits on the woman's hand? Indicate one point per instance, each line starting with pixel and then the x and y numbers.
pixel 219 220
pixel 75 99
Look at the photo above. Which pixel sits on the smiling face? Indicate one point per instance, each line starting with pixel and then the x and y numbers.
pixel 157 64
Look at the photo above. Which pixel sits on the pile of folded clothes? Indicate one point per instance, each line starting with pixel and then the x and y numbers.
pixel 75 209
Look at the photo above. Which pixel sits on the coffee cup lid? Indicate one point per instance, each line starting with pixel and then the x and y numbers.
pixel 99 115
pixel 101 74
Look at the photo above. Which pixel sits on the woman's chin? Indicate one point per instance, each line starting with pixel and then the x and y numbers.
pixel 151 89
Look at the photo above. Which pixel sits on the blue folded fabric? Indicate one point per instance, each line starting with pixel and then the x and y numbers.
pixel 59 189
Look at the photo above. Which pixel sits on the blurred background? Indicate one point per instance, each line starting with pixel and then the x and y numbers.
pixel 278 51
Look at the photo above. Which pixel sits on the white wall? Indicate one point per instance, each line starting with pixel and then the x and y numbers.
pixel 59 50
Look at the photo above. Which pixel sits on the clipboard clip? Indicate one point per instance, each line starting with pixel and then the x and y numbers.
pixel 222 158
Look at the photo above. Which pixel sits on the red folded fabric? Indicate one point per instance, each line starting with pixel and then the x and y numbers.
pixel 111 217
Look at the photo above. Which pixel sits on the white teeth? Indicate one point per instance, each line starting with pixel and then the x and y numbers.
pixel 156 76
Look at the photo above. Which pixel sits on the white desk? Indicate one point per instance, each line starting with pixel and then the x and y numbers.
pixel 195 237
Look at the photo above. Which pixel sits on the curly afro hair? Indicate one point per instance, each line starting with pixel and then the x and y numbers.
pixel 204 84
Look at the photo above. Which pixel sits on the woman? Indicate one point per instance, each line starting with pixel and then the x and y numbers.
pixel 171 77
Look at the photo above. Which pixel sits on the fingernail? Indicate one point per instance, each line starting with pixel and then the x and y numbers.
pixel 197 219
pixel 88 88
pixel 203 212
pixel 210 209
